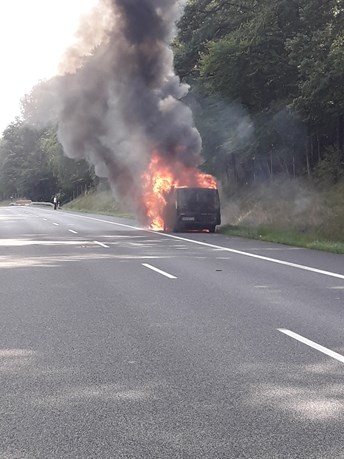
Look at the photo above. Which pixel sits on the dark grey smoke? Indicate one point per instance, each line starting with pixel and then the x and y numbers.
pixel 123 100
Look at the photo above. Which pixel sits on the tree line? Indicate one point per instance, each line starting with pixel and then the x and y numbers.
pixel 266 79
pixel 32 165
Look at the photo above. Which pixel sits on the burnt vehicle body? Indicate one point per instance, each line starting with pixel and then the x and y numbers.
pixel 192 209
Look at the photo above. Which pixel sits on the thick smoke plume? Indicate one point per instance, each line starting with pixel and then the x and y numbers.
pixel 120 96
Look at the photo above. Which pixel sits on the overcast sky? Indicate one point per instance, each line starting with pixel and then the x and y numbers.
pixel 33 36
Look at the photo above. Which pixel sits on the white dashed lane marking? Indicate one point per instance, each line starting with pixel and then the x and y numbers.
pixel 101 244
pixel 163 273
pixel 312 344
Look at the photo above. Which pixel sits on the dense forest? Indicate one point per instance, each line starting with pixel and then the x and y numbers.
pixel 266 88
pixel 267 81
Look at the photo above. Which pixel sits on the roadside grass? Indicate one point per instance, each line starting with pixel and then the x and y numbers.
pixel 309 239
pixel 289 212
pixel 100 203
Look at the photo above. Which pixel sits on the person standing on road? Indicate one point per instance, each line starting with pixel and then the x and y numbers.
pixel 55 202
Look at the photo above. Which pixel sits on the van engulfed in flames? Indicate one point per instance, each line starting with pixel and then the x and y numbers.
pixel 160 180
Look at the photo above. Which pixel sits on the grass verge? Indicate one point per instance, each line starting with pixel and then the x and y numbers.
pixel 307 239
pixel 292 212
pixel 100 203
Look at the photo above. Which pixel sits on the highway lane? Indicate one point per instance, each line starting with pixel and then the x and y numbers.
pixel 103 356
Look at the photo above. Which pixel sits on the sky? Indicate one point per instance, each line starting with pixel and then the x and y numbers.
pixel 33 37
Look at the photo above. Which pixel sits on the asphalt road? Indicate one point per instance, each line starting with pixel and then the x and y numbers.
pixel 117 342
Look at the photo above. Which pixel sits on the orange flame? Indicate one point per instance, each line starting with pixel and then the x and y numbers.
pixel 158 180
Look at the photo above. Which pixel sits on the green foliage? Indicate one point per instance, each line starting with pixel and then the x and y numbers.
pixel 318 53
pixel 24 168
pixel 251 63
pixel 204 21
pixel 330 169
pixel 32 161
pixel 72 177
pixel 33 166
pixel 279 66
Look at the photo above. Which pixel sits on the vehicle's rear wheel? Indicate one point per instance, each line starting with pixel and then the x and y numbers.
pixel 212 229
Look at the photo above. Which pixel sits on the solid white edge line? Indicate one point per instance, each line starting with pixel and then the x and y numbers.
pixel 260 257
pixel 312 344
pixel 72 231
pixel 153 268
pixel 101 244
pixel 226 249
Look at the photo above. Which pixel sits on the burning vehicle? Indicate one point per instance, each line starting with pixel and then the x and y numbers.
pixel 120 107
pixel 177 197
pixel 192 209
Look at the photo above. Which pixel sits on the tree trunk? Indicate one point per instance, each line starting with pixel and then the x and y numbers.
pixel 227 168
pixel 308 147
pixel 340 134
pixel 318 147
pixel 311 152
pixel 267 167
pixel 294 168
pixel 235 169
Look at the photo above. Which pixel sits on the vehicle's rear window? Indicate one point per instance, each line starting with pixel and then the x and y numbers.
pixel 197 198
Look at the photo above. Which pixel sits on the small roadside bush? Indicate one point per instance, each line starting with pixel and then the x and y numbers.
pixel 330 169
